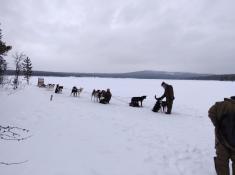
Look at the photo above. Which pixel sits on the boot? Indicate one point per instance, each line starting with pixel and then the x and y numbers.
pixel 221 167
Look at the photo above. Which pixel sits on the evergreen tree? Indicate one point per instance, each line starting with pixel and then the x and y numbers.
pixel 27 68
pixel 3 51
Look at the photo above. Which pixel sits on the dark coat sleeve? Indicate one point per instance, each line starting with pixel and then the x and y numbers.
pixel 212 113
pixel 169 93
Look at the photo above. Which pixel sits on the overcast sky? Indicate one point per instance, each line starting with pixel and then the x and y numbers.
pixel 122 35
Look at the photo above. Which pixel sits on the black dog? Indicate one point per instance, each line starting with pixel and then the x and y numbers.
pixel 159 105
pixel 58 89
pixel 74 91
pixel 135 101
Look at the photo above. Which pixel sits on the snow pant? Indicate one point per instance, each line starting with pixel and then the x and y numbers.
pixel 223 154
pixel 169 104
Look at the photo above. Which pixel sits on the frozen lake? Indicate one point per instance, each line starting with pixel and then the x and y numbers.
pixel 74 135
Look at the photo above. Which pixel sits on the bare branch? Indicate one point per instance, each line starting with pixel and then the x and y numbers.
pixel 14 163
pixel 17 139
pixel 13 133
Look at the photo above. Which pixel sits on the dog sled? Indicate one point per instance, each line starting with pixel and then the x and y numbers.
pixel 41 82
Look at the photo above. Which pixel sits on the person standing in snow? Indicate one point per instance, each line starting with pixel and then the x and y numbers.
pixel 222 115
pixel 108 95
pixel 169 95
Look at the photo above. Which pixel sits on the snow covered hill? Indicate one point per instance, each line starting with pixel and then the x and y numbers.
pixel 76 136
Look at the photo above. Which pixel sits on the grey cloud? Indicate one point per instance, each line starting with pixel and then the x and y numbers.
pixel 122 35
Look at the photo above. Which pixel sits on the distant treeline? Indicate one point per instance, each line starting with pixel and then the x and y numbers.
pixel 225 77
pixel 138 75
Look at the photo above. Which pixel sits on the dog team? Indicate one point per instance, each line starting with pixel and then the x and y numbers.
pixel 104 97
pixel 101 96
pixel 222 115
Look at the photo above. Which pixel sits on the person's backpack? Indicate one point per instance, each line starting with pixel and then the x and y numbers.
pixel 226 130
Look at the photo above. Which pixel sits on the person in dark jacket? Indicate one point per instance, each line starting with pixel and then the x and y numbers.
pixel 108 95
pixel 169 95
pixel 224 143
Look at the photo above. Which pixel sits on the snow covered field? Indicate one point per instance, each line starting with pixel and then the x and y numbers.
pixel 76 136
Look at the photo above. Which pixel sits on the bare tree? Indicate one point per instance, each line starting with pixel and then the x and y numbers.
pixel 18 58
pixel 3 68
pixel 13 133
pixel 27 69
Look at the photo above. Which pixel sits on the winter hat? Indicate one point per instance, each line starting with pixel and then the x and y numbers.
pixel 163 83
pixel 232 97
